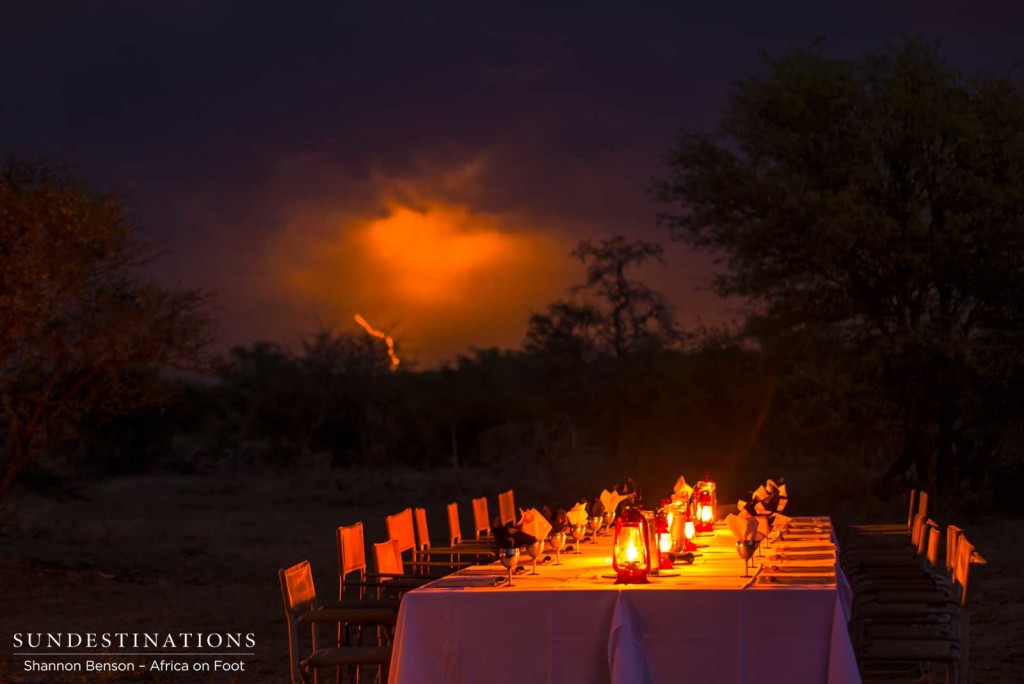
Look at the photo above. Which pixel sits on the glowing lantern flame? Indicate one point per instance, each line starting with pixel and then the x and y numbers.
pixel 387 338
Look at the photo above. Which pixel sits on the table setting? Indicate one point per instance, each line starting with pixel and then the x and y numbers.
pixel 643 597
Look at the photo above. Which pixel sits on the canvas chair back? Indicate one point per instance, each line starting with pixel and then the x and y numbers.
pixel 454 529
pixel 388 558
pixel 299 597
pixel 422 532
pixel 481 517
pixel 351 556
pixel 506 507
pixel 297 588
pixel 952 539
pixel 922 504
pixel 400 528
pixel 933 544
pixel 922 535
pixel 917 531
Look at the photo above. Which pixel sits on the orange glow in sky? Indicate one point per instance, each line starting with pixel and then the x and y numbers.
pixel 440 275
pixel 431 253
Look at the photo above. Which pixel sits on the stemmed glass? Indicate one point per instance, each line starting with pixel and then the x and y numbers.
pixel 578 532
pixel 534 550
pixel 609 518
pixel 745 550
pixel 557 541
pixel 595 523
pixel 509 558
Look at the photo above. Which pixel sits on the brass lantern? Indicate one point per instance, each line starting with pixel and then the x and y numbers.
pixel 631 552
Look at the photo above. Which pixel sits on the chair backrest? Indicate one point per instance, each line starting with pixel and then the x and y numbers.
pixel 400 528
pixel 388 558
pixel 964 550
pixel 933 544
pixel 923 535
pixel 922 503
pixel 422 532
pixel 297 588
pixel 506 507
pixel 953 534
pixel 917 531
pixel 351 555
pixel 299 597
pixel 910 513
pixel 481 517
pixel 454 529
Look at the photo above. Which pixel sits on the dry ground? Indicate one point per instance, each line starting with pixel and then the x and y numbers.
pixel 200 554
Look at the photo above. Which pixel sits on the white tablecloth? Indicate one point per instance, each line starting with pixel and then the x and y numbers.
pixel 571 624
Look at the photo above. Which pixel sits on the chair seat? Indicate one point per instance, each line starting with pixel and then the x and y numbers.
pixel 904 596
pixel 352 616
pixel 384 602
pixel 910 631
pixel 349 655
pixel 932 650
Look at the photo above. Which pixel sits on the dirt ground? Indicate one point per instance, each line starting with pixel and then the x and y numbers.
pixel 201 554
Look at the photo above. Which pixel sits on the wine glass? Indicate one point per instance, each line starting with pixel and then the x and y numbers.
pixel 534 550
pixel 509 558
pixel 557 541
pixel 609 518
pixel 745 550
pixel 578 532
pixel 594 524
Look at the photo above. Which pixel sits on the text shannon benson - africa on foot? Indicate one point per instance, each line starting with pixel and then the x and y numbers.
pixel 133 651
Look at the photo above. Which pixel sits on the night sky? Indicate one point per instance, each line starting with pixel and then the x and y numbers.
pixel 430 169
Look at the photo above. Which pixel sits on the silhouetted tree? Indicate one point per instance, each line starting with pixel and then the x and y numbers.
pixel 880 203
pixel 590 340
pixel 75 313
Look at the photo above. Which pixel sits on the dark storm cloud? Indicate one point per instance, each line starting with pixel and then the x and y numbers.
pixel 223 121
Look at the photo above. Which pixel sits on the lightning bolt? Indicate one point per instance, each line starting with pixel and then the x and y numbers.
pixel 387 338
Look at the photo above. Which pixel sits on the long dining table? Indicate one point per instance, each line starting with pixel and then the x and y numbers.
pixel 703 622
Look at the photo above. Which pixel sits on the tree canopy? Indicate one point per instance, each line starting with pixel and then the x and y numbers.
pixel 75 314
pixel 617 314
pixel 879 204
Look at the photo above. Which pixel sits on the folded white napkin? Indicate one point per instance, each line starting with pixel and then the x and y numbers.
pixel 578 515
pixel 611 500
pixel 681 491
pixel 532 522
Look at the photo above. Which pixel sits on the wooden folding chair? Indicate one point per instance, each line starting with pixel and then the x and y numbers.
pixel 401 528
pixel 352 560
pixel 300 608
pixel 921 632
pixel 455 532
pixel 391 570
pixel 453 551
